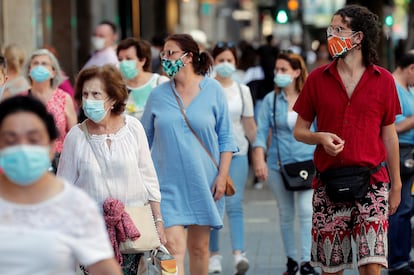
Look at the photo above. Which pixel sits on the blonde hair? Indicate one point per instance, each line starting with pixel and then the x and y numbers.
pixel 15 57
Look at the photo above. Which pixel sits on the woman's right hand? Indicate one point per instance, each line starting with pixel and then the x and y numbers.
pixel 260 170
pixel 259 163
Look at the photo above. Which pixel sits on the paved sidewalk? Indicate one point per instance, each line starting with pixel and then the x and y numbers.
pixel 264 245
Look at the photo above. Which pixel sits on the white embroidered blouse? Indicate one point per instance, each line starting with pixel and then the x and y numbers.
pixel 125 170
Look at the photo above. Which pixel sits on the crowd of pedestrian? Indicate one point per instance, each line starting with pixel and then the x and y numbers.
pixel 166 124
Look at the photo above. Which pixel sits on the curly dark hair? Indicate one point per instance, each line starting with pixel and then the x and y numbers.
pixel 361 19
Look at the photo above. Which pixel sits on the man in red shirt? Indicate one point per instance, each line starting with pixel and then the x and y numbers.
pixel 354 103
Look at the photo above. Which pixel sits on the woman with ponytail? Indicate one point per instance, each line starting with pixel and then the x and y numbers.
pixel 192 188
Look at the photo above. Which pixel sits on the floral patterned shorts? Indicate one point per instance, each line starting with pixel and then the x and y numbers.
pixel 335 225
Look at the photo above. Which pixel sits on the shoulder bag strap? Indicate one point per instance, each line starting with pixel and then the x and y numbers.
pixel 191 128
pixel 275 128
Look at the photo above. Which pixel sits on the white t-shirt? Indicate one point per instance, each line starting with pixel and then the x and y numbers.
pixel 125 170
pixel 239 107
pixel 53 236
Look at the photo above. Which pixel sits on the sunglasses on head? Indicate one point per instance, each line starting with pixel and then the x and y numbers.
pixel 228 45
pixel 287 51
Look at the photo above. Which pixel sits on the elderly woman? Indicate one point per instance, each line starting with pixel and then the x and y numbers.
pixel 111 158
pixel 45 222
pixel 44 74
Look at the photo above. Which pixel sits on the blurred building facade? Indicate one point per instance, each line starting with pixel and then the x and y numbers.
pixel 69 24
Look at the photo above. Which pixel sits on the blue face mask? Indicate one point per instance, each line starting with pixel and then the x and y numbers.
pixel 94 109
pixel 225 69
pixel 282 80
pixel 25 164
pixel 1 91
pixel 39 73
pixel 172 67
pixel 128 69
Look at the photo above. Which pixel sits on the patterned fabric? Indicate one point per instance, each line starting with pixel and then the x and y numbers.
pixel 336 224
pixel 119 225
pixel 129 267
pixel 56 106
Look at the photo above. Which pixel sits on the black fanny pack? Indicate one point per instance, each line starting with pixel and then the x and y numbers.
pixel 347 184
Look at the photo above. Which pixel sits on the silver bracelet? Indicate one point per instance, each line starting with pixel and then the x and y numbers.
pixel 159 220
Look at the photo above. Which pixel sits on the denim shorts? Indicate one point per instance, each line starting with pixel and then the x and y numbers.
pixel 336 225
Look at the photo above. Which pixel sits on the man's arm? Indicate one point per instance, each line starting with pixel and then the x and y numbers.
pixel 332 144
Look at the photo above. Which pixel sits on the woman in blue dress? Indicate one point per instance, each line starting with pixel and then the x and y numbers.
pixel 192 188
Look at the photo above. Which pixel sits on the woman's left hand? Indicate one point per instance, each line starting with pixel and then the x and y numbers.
pixel 219 187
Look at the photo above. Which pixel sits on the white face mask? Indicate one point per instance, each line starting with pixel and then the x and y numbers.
pixel 98 43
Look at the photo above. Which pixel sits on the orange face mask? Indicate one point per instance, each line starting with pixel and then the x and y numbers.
pixel 338 46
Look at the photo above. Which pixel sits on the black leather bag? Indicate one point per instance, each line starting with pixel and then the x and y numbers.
pixel 347 184
pixel 298 176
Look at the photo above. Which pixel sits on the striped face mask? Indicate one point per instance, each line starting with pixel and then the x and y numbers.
pixel 338 46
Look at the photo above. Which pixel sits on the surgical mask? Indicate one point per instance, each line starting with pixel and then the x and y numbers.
pixel 94 109
pixel 172 67
pixel 282 80
pixel 25 164
pixel 225 69
pixel 338 46
pixel 98 43
pixel 1 91
pixel 40 73
pixel 128 68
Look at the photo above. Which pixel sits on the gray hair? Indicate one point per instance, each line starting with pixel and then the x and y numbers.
pixel 59 78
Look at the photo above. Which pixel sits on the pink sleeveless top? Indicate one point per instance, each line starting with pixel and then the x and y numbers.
pixel 56 106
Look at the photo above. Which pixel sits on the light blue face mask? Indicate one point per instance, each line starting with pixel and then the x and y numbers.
pixel 224 69
pixel 282 80
pixel 25 164
pixel 1 91
pixel 172 67
pixel 39 73
pixel 94 109
pixel 128 69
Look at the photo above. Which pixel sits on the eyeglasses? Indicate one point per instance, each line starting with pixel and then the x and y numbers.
pixel 286 51
pixel 169 53
pixel 337 30
pixel 228 45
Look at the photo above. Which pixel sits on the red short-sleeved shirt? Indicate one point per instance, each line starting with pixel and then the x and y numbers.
pixel 357 120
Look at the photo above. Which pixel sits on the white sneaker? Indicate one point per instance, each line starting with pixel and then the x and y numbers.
pixel 258 185
pixel 241 264
pixel 214 264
